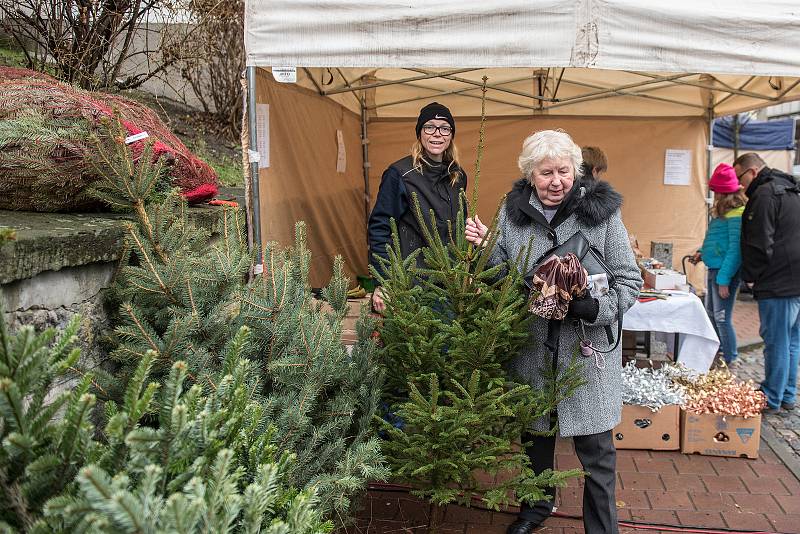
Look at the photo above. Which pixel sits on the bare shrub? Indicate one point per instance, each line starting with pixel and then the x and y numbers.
pixel 89 42
pixel 214 68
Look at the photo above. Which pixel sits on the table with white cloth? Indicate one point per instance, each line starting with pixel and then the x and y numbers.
pixel 680 313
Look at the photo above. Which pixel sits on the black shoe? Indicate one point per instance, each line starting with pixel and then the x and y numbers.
pixel 789 406
pixel 522 526
pixel 770 411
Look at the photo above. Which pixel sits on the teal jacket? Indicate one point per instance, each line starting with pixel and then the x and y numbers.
pixel 721 246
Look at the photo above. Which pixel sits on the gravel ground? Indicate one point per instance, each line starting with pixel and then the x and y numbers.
pixel 786 424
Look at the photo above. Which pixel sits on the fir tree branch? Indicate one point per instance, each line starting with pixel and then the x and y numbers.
pixel 195 315
pixel 128 309
pixel 144 220
pixel 16 497
pixel 150 265
pixel 479 157
pixel 90 377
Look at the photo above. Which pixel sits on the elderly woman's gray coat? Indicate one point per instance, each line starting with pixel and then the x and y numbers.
pixel 592 207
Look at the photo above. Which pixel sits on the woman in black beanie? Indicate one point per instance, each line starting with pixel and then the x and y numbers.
pixel 433 173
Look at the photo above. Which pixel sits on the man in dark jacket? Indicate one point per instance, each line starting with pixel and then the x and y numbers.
pixel 771 266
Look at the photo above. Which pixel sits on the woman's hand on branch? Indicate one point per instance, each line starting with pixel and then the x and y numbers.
pixel 378 305
pixel 476 231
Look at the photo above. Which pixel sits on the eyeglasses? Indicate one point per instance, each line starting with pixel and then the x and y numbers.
pixel 430 129
pixel 739 176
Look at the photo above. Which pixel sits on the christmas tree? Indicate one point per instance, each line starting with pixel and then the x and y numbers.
pixel 210 465
pixel 449 330
pixel 184 298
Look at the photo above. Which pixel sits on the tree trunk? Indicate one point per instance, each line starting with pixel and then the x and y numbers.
pixel 435 517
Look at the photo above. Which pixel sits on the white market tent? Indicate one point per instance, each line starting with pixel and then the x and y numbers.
pixel 635 78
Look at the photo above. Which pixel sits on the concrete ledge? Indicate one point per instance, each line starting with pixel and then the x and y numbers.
pixel 52 241
pixel 64 288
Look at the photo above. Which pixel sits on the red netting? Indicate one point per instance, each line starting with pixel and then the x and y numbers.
pixel 18 73
pixel 20 95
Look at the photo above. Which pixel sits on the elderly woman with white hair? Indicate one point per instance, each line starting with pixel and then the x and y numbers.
pixel 546 207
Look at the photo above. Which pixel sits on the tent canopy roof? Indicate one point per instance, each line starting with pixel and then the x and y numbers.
pixel 584 57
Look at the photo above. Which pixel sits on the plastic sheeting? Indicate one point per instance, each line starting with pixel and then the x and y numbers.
pixel 777 159
pixel 555 57
pixel 755 135
pixel 758 37
pixel 635 148
pixel 302 182
pixel 635 78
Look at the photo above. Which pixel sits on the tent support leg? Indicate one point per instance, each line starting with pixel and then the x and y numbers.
pixel 709 154
pixel 365 153
pixel 255 200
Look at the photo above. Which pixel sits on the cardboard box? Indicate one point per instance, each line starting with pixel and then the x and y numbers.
pixel 349 336
pixel 720 435
pixel 642 428
pixel 663 278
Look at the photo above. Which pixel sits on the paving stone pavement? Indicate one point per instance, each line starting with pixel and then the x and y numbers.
pixel 750 366
pixel 663 487
pixel 786 424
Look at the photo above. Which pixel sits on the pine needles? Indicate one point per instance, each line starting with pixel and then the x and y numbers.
pixel 184 296
pixel 450 330
pixel 209 465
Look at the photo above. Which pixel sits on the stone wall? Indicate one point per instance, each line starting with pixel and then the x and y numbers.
pixel 58 266
pixel 53 298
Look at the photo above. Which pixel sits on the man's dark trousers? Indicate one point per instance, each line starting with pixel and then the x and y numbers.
pixel 598 456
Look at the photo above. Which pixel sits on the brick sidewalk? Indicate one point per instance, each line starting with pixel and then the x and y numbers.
pixel 652 486
pixel 750 366
pixel 745 321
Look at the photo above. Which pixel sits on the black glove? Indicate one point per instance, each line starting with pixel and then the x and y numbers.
pixel 585 307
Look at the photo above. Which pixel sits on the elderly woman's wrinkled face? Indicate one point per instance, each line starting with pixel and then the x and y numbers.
pixel 552 179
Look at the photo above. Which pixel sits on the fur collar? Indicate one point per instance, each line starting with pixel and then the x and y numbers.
pixel 592 201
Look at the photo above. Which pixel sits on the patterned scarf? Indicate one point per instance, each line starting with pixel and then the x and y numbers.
pixel 555 283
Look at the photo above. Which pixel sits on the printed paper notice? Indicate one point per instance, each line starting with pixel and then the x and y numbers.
pixel 677 167
pixel 341 157
pixel 285 74
pixel 262 135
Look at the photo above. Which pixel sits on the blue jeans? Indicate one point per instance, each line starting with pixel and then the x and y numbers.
pixel 720 311
pixel 780 329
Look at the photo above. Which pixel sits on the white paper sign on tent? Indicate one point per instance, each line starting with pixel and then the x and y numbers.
pixel 677 167
pixel 285 74
pixel 262 135
pixel 341 156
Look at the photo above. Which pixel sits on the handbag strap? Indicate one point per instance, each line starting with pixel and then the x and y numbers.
pixel 619 337
pixel 609 334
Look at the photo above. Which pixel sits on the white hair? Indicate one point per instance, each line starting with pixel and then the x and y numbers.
pixel 548 144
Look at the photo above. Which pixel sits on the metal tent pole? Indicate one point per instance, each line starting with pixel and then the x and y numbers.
pixel 365 153
pixel 254 158
pixel 709 155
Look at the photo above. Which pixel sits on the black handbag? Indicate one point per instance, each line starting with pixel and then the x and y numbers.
pixel 592 260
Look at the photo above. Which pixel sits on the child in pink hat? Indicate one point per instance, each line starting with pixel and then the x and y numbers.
pixel 724 180
pixel 720 252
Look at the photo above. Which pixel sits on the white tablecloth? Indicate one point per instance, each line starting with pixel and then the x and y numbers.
pixel 685 314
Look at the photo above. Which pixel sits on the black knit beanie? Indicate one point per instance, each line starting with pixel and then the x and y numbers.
pixel 435 110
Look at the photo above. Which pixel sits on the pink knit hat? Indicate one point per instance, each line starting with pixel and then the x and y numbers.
pixel 724 180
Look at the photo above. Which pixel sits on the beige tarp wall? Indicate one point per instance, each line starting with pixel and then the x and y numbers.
pixel 635 149
pixel 302 184
pixel 777 159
